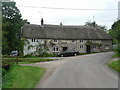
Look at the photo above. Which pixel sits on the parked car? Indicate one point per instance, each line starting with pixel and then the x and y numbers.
pixel 14 53
pixel 68 53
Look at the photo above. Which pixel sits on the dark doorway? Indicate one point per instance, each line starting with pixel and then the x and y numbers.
pixel 88 49
pixel 65 48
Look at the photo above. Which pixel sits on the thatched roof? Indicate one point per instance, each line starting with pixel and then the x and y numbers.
pixel 63 32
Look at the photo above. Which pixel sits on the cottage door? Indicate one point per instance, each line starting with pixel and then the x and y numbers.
pixel 64 48
pixel 88 49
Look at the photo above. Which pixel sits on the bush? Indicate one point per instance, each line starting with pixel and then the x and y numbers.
pixel 47 55
pixel 4 71
pixel 28 56
pixel 7 63
pixel 117 50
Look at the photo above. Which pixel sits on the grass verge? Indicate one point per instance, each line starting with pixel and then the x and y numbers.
pixel 116 55
pixel 22 77
pixel 115 65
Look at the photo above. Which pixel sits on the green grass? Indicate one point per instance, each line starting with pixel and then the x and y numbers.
pixel 115 65
pixel 22 77
pixel 116 55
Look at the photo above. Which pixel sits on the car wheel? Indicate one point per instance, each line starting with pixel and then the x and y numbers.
pixel 61 55
pixel 75 54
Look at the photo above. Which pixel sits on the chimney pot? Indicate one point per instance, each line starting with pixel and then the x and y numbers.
pixel 42 22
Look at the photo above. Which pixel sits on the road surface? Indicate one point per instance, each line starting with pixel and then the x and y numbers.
pixel 87 71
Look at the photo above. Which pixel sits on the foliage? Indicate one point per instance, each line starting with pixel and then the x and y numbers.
pixel 90 42
pixel 13 61
pixel 115 31
pixel 117 50
pixel 41 48
pixel 47 55
pixel 116 55
pixel 89 23
pixel 51 43
pixel 30 46
pixel 115 65
pixel 22 77
pixel 24 41
pixel 11 28
pixel 28 56
pixel 4 71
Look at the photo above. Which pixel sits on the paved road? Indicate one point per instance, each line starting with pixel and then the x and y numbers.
pixel 88 71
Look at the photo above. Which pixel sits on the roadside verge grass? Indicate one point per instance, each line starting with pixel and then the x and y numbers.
pixel 22 76
pixel 115 65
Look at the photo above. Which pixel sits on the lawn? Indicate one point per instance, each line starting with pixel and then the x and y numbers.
pixel 115 65
pixel 22 76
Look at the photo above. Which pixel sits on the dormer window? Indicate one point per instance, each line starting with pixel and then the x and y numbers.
pixel 81 41
pixel 33 40
pixel 55 40
pixel 73 40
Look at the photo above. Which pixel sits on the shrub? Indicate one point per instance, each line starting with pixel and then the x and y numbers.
pixel 117 50
pixel 47 55
pixel 4 71
pixel 7 63
pixel 28 56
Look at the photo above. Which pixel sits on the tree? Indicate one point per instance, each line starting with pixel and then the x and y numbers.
pixel 115 31
pixel 11 31
pixel 89 23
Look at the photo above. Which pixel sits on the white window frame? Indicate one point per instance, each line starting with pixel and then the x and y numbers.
pixel 81 46
pixel 107 47
pixel 55 40
pixel 81 41
pixel 55 49
pixel 33 40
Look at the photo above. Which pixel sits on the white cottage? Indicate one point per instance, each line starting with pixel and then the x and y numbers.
pixel 58 38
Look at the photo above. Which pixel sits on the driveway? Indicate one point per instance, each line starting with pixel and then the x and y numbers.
pixel 87 71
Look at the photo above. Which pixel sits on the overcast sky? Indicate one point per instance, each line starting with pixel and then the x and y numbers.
pixel 69 17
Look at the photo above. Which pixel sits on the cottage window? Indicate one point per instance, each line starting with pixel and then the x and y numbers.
pixel 55 49
pixel 55 40
pixel 33 40
pixel 107 47
pixel 81 46
pixel 94 46
pixel 81 41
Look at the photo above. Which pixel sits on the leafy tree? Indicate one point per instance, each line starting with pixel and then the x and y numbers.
pixel 12 23
pixel 115 31
pixel 89 23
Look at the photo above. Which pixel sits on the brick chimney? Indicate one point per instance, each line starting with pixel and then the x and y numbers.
pixel 42 22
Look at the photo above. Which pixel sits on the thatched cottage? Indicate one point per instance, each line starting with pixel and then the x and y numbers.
pixel 58 38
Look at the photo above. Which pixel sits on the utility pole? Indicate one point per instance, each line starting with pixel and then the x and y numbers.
pixel 119 10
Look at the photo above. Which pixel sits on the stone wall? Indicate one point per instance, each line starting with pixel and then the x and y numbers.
pixel 78 45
